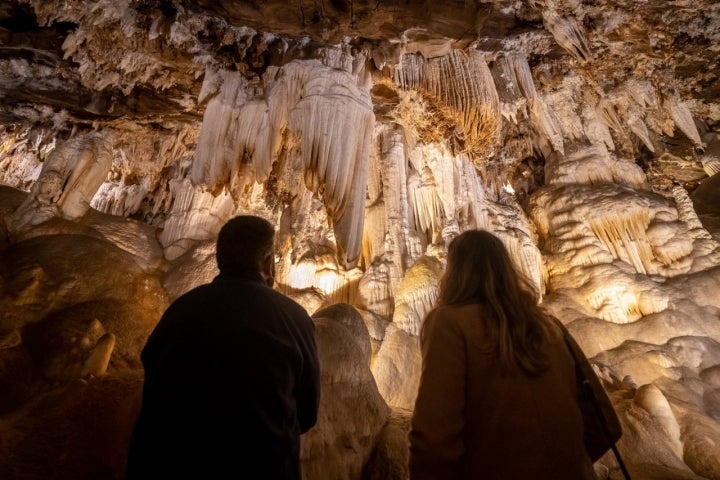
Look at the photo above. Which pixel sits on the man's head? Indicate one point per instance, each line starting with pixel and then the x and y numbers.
pixel 245 244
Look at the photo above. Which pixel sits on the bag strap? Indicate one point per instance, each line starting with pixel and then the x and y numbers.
pixel 575 351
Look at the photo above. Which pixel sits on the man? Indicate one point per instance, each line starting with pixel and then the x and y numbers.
pixel 231 373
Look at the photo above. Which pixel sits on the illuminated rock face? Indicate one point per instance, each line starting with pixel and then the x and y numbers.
pixel 584 134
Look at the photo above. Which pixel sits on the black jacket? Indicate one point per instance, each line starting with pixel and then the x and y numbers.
pixel 231 381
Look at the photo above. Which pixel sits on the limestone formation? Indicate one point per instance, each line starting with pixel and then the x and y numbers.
pixel 585 134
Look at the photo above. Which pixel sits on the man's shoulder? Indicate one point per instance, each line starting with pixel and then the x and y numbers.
pixel 288 303
pixel 194 294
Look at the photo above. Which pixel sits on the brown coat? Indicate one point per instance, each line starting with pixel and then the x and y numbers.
pixel 471 423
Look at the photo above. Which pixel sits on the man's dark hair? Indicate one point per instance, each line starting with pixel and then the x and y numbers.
pixel 243 244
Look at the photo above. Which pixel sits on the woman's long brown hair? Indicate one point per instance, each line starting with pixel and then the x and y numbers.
pixel 479 270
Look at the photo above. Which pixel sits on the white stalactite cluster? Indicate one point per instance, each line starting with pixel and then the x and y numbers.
pixel 326 114
pixel 462 86
pixel 636 106
pixel 568 34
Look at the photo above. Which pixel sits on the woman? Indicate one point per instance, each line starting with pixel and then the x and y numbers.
pixel 498 395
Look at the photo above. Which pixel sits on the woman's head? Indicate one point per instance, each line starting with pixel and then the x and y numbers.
pixel 480 270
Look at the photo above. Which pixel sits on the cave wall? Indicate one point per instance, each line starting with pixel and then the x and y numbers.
pixel 584 134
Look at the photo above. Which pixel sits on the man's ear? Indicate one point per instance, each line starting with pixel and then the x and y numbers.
pixel 268 268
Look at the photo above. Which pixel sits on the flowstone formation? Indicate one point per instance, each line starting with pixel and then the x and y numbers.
pixel 585 134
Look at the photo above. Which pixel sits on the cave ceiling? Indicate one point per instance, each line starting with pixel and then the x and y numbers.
pixel 144 61
pixel 242 89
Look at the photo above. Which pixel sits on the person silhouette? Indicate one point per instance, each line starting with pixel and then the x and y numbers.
pixel 498 395
pixel 231 372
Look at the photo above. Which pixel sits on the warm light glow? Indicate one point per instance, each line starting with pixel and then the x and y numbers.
pixel 509 188
pixel 324 277
pixel 616 304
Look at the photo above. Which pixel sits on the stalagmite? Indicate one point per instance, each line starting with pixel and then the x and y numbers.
pixel 651 398
pixel 686 212
pixel 322 274
pixel 97 363
pixel 417 294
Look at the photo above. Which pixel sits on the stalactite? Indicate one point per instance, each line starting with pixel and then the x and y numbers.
pixel 564 107
pixel 628 105
pixel 642 93
pixel 506 84
pixel 397 204
pixel 196 214
pixel 681 115
pixel 387 236
pixel 624 236
pixel 335 144
pixel 547 125
pixel 471 201
pixel 711 165
pixel 218 155
pixel 140 164
pixel 327 111
pixel 638 127
pixel 514 84
pixel 19 169
pixel 436 191
pixel 463 87
pixel 597 131
pixel 608 114
pixel 428 210
pixel 117 198
pixel 568 34
pixel 410 74
pixel 527 260
pixel 522 75
pixel 376 228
